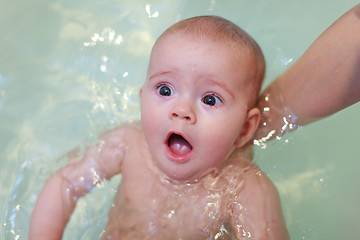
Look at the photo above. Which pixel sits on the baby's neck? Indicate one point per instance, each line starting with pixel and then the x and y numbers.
pixel 239 158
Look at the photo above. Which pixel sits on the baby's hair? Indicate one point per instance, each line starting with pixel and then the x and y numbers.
pixel 221 30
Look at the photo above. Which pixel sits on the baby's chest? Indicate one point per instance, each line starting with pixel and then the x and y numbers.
pixel 169 215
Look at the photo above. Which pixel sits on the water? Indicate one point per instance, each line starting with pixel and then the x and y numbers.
pixel 71 69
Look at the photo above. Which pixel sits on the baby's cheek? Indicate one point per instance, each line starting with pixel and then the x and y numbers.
pixel 150 123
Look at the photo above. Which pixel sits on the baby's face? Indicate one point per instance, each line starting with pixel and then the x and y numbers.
pixel 194 105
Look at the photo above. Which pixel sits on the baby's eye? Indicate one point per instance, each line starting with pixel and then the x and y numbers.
pixel 165 90
pixel 211 100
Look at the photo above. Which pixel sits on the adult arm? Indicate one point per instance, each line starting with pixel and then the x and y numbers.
pixel 58 198
pixel 326 79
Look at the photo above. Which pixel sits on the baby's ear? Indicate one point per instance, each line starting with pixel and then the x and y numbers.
pixel 249 128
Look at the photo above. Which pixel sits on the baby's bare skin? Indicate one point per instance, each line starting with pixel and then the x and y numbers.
pixel 184 170
pixel 197 88
pixel 239 201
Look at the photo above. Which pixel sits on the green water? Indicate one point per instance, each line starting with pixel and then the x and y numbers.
pixel 71 69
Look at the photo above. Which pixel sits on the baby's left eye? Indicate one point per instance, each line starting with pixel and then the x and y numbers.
pixel 211 100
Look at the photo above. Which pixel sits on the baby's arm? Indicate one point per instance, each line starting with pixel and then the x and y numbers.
pixel 257 214
pixel 323 81
pixel 58 198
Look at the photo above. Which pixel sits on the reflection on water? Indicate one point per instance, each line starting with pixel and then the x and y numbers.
pixel 274 113
pixel 309 182
pixel 71 69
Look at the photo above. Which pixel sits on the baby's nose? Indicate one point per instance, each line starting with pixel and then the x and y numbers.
pixel 183 112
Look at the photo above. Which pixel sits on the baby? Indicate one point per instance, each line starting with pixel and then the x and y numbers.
pixel 186 168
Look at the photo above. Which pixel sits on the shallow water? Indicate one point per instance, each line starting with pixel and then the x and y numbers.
pixel 71 69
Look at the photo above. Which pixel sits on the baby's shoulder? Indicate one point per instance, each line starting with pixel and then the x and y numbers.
pixel 259 200
pixel 256 182
pixel 257 192
pixel 248 179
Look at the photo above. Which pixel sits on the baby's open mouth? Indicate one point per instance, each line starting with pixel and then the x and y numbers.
pixel 179 145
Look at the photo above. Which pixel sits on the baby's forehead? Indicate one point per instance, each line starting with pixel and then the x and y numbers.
pixel 182 40
pixel 210 30
pixel 179 47
pixel 234 38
